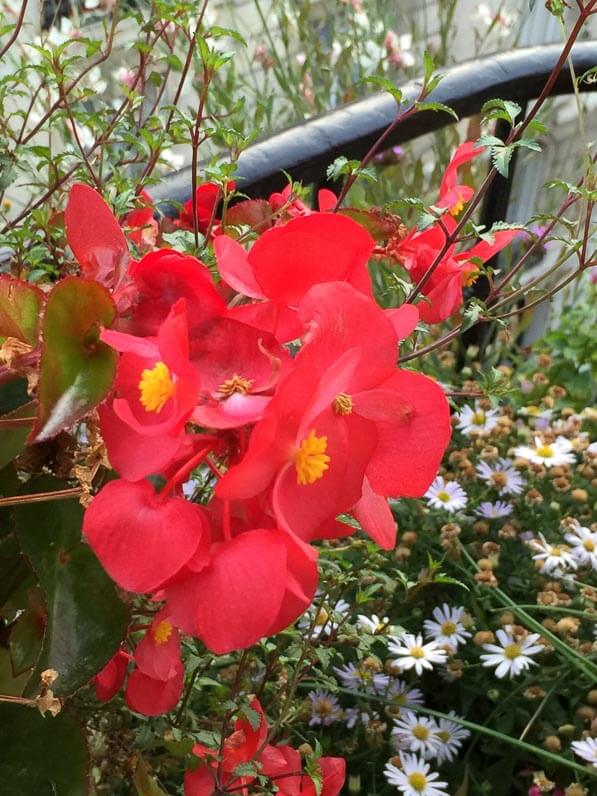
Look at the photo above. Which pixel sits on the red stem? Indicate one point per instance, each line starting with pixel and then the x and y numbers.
pixel 186 468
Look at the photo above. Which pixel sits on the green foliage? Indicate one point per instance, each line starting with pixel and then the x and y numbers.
pixel 41 756
pixel 85 619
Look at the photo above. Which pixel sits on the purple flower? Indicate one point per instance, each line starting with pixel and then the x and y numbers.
pixel 324 708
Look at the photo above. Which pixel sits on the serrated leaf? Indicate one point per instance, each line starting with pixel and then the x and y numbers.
pixel 77 369
pixel 385 85
pixel 41 756
pixel 437 106
pixel 501 157
pixel 86 620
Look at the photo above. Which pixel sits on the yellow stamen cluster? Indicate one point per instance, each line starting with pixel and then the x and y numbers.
pixel 235 384
pixel 417 652
pixel 418 781
pixel 156 387
pixel 448 629
pixel 420 732
pixel 342 404
pixel 162 632
pixel 512 651
pixel 310 459
pixel 545 451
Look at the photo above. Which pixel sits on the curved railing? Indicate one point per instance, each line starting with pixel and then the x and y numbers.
pixel 305 150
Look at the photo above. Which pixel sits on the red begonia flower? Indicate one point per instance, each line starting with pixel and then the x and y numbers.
pixel 141 538
pixel 313 457
pixel 288 260
pixel 240 367
pixel 158 653
pixel 165 276
pixel 95 236
pixel 241 746
pixel 156 385
pixel 283 765
pixel 152 697
pixel 110 680
pixel 256 579
pixel 451 195
pixel 443 289
pixel 207 196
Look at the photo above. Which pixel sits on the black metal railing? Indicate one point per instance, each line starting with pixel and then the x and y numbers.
pixel 304 151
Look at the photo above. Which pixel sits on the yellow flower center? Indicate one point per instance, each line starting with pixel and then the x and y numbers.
pixel 588 545
pixel 443 496
pixel 478 418
pixel 323 707
pixel 156 387
pixel 448 629
pixel 512 651
pixel 162 632
pixel 545 451
pixel 499 479
pixel 555 551
pixel 470 278
pixel 342 404
pixel 321 617
pixel 418 781
pixel 310 459
pixel 456 208
pixel 443 735
pixel 417 652
pixel 420 732
pixel 235 384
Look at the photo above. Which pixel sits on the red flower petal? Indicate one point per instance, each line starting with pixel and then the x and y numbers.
pixel 376 519
pixel 94 235
pixel 141 538
pixel 109 681
pixel 153 697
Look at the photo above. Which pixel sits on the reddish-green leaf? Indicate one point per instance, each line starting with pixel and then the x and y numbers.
pixel 86 620
pixel 378 224
pixel 25 641
pixel 254 213
pixel 77 369
pixel 20 310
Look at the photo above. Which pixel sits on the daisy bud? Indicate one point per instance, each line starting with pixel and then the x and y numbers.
pixel 550 624
pixel 483 637
pixel 533 692
pixel 568 625
pixel 402 553
pixel 579 495
pixel 485 564
pixel 409 538
pixel 481 528
pixel 552 743
pixel 507 618
pixel 566 730
pixel 489 452
pixel 586 713
pixel 575 790
pixel 493 694
pixel 592 696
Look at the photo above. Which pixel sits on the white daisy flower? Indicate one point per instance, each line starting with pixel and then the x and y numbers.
pixel 326 618
pixel 403 696
pixel 362 677
pixel 447 630
pixel 448 495
pixel 513 656
pixel 324 708
pixel 583 544
pixel 415 777
pixel 502 475
pixel 373 624
pixel 554 558
pixel 586 749
pixel 450 734
pixel 477 421
pixel 549 454
pixel 494 511
pixel 416 734
pixel 414 654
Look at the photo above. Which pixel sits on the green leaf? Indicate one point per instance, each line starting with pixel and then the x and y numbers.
pixel 9 684
pixel 86 619
pixel 13 568
pixel 144 782
pixel 12 438
pixel 77 369
pixel 385 85
pixel 437 106
pixel 41 756
pixel 20 310
pixel 501 157
pixel 25 641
